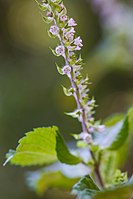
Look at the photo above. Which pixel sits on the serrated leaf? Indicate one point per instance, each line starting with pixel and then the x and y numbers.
pixel 42 146
pixel 85 188
pixel 41 181
pixel 119 178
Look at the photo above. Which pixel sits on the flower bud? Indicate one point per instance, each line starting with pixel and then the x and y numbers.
pixel 78 43
pixel 71 22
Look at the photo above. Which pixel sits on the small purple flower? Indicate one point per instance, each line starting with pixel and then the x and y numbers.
pixel 69 35
pixel 86 137
pixel 78 41
pixel 54 30
pixel 71 22
pixel 63 18
pixel 60 50
pixel 78 48
pixel 66 70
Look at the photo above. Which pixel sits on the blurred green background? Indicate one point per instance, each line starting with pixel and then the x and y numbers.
pixel 30 87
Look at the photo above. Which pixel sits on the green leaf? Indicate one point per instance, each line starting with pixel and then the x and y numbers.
pixel 59 69
pixel 121 136
pixel 114 136
pixel 54 53
pixel 42 146
pixel 56 7
pixel 74 114
pixel 81 144
pixel 130 119
pixel 117 131
pixel 68 92
pixel 113 119
pixel 63 153
pixel 41 181
pixel 47 19
pixel 43 7
pixel 85 188
pixel 119 178
pixel 123 192
pixel 51 35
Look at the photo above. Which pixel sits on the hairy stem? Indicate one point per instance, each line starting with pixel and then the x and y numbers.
pixel 79 106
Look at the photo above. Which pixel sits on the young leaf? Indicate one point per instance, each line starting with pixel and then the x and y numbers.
pixel 42 146
pixel 85 188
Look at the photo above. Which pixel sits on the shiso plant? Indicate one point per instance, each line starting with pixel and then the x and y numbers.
pixel 92 169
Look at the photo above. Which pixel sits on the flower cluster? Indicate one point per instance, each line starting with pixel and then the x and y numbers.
pixel 64 29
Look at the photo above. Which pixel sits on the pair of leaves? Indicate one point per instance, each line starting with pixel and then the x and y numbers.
pixel 42 146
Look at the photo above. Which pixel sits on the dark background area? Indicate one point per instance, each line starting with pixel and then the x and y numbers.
pixel 30 87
